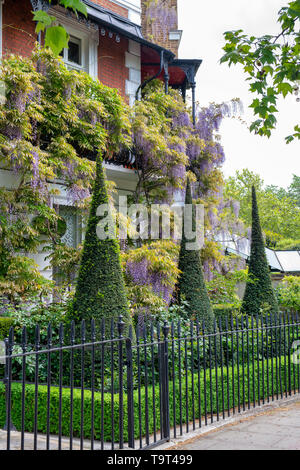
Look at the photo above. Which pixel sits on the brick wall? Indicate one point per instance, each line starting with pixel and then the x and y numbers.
pixel 163 37
pixel 18 28
pixel 19 38
pixel 112 7
pixel 111 62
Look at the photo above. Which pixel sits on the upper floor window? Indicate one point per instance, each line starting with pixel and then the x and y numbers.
pixel 73 55
pixel 82 53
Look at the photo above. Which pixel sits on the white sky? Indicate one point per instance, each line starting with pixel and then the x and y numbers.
pixel 203 23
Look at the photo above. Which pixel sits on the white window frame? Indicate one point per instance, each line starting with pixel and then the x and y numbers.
pixel 87 33
pixel 74 65
pixel 84 50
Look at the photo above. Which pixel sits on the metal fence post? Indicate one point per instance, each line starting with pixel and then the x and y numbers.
pixel 165 383
pixel 121 326
pixel 9 426
pixel 130 412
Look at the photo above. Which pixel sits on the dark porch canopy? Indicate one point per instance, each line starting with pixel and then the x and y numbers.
pixel 180 73
pixel 157 62
pixel 177 73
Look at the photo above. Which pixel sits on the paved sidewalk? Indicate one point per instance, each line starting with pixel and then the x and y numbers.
pixel 278 429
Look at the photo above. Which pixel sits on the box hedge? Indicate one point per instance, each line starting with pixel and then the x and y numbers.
pixel 193 387
pixel 224 311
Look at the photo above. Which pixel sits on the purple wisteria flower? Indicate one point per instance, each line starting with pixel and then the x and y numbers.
pixel 77 194
pixel 164 18
pixel 35 182
pixel 138 271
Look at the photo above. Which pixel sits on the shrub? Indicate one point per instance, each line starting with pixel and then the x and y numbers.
pixel 288 244
pixel 38 312
pixel 259 292
pixel 100 290
pixel 222 289
pixel 5 324
pixel 288 294
pixel 191 285
pixel 223 311
pixel 241 375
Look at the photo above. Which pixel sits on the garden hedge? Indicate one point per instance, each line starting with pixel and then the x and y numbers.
pixel 282 366
pixel 224 311
pixel 5 324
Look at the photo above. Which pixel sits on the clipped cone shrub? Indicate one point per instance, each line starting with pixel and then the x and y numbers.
pixel 259 295
pixel 191 285
pixel 100 290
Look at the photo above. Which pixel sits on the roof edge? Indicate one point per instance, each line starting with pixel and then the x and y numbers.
pixel 94 12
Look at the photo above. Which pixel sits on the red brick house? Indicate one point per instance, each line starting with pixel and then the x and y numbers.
pixel 111 45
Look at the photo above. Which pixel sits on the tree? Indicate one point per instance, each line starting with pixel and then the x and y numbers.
pixel 259 293
pixel 294 189
pixel 191 285
pixel 56 37
pixel 100 290
pixel 279 213
pixel 272 66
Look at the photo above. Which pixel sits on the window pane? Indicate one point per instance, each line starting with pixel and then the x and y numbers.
pixel 74 51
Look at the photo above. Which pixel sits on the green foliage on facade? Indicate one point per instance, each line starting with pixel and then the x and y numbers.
pixel 191 285
pixel 150 275
pixel 56 36
pixel 100 291
pixel 259 294
pixel 53 123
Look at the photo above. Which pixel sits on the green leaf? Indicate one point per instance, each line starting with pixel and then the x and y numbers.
pixel 284 88
pixel 43 20
pixel 56 39
pixel 289 139
pixel 43 17
pixel 75 5
pixel 255 125
pixel 257 86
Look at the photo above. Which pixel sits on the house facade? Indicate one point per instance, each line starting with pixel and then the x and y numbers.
pixel 114 44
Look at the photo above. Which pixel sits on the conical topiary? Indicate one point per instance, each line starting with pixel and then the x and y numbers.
pixel 259 295
pixel 191 285
pixel 100 290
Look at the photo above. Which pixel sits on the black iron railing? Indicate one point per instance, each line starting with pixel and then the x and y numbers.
pixel 112 388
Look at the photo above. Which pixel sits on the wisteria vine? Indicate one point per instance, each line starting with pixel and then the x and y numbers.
pixel 161 17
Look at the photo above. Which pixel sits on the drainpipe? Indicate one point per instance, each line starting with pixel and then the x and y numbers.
pixel 43 5
pixel 166 77
pixel 193 85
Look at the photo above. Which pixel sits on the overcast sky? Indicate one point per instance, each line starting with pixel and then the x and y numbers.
pixel 203 24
